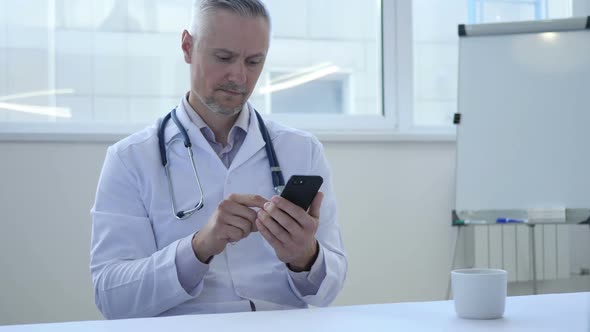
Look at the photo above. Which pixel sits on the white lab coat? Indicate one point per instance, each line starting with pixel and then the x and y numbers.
pixel 135 235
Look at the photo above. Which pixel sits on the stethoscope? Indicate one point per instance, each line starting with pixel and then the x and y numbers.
pixel 275 169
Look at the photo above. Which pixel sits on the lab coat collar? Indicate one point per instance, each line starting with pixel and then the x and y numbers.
pixel 196 137
pixel 253 141
pixel 172 130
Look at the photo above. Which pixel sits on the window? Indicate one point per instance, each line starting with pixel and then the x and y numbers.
pixel 435 45
pixel 283 92
pixel 337 66
pixel 71 64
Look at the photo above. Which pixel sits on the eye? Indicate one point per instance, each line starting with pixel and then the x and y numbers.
pixel 223 58
pixel 254 61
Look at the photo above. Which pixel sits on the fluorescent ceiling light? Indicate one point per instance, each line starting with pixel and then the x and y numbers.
pixel 37 94
pixel 300 77
pixel 549 36
pixel 299 72
pixel 59 112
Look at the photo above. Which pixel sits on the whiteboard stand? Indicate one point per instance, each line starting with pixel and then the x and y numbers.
pixel 533 255
pixel 453 259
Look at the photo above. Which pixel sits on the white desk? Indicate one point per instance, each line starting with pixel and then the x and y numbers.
pixel 559 312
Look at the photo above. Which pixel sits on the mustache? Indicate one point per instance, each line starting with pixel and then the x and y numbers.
pixel 233 87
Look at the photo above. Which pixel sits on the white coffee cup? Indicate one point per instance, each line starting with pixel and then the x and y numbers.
pixel 479 293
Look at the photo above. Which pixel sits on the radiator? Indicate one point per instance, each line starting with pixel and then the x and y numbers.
pixel 509 247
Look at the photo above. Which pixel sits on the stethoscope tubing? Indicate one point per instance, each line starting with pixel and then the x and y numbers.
pixel 276 173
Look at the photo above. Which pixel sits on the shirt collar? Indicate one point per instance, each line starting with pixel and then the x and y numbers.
pixel 251 145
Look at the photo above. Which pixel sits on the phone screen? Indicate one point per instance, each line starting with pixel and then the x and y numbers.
pixel 301 189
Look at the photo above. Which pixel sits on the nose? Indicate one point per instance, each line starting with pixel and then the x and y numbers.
pixel 237 73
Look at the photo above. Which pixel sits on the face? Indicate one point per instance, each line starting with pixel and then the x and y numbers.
pixel 226 60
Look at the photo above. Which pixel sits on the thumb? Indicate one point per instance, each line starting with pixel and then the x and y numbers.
pixel 314 209
pixel 254 228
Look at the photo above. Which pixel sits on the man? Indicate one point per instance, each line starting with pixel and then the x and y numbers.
pixel 246 248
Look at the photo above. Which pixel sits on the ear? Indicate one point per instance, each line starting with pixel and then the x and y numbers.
pixel 187 46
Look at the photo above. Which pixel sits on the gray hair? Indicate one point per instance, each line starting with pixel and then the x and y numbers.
pixel 244 8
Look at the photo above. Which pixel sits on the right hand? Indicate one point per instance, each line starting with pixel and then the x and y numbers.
pixel 233 220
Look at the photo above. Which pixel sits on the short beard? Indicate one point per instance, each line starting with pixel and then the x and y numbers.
pixel 214 107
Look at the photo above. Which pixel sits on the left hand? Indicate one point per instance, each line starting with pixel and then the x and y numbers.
pixel 290 230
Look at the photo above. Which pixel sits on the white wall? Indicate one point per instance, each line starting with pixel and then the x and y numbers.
pixel 46 193
pixel 395 201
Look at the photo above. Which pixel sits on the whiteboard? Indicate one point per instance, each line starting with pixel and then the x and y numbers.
pixel 524 99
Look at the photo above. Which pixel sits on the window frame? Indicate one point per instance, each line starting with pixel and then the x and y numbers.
pixel 325 126
pixel 398 62
pixel 397 98
pixel 395 123
pixel 397 92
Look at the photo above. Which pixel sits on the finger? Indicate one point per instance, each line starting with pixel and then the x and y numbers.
pixel 314 208
pixel 248 200
pixel 288 223
pixel 268 236
pixel 231 207
pixel 232 234
pixel 240 223
pixel 273 227
pixel 292 210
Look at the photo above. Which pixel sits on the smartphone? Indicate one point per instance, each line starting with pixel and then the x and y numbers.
pixel 301 189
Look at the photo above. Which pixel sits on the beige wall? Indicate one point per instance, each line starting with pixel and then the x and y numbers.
pixel 395 200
